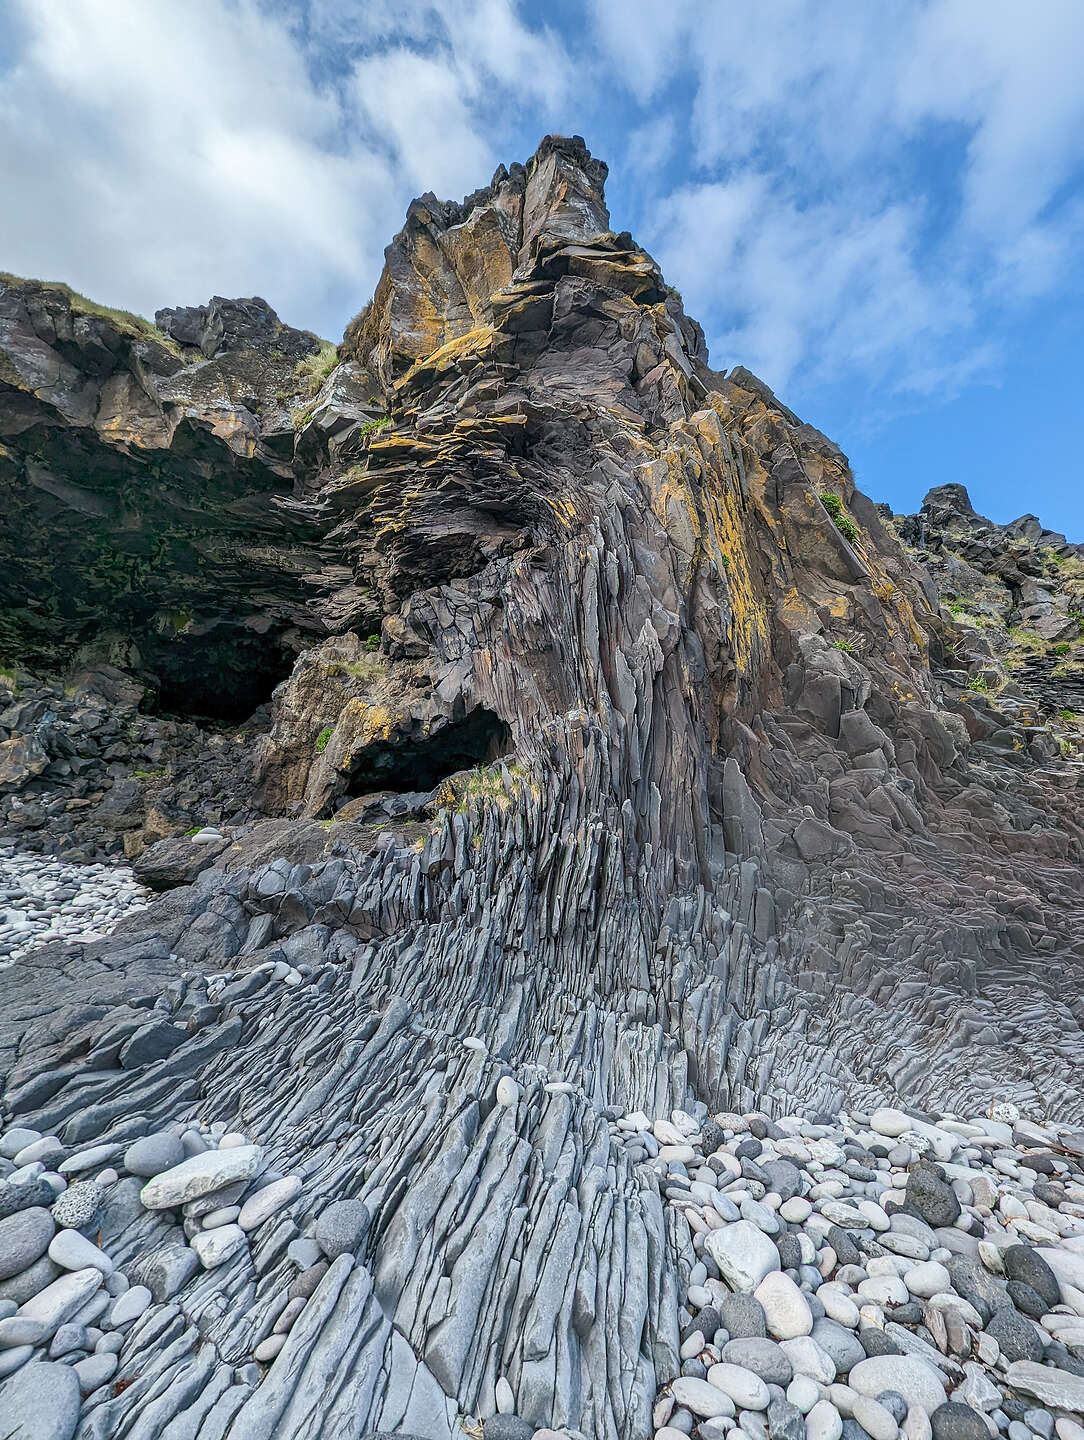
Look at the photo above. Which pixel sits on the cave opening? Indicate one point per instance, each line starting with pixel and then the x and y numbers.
pixel 405 764
pixel 219 680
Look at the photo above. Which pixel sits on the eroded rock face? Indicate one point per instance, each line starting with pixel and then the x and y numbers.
pixel 149 517
pixel 727 841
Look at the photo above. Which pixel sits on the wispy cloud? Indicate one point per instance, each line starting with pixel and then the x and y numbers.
pixel 155 154
pixel 855 191
pixel 873 186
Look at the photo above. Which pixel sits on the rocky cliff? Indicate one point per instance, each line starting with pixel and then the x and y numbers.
pixel 621 757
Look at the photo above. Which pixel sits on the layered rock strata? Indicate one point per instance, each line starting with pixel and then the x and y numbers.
pixel 634 771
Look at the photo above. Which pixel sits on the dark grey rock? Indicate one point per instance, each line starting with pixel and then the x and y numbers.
pixel 1027 1301
pixel 23 1194
pixel 785 1421
pixel 974 1283
pixel 507 1427
pixel 712 1136
pixel 953 1421
pixel 743 1317
pixel 932 1196
pixel 876 1342
pixel 853 1431
pixel 895 1404
pixel 307 1281
pixel 785 1178
pixel 842 1242
pixel 1027 1266
pixel 166 1270
pixel 764 1357
pixel 841 1344
pixel 151 1042
pixel 1017 1336
pixel 790 1252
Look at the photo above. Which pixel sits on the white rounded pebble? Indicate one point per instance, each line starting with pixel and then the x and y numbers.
pixel 503 1397
pixel 795 1210
pixel 267 1349
pixel 748 1391
pixel 809 1358
pixel 743 1253
pixel 927 1279
pixel 916 1380
pixel 803 1393
pixel 838 1305
pixel 225 1215
pixel 883 1290
pixel 72 1251
pixel 215 1247
pixel 130 1306
pixel 201 1175
pixel 824 1422
pixel 786 1310
pixel 700 1397
pixel 892 1123
pixel 268 1202
pixel 507 1091
pixel 874 1419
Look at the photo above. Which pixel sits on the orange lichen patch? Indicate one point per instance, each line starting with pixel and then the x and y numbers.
pixel 562 507
pixel 476 342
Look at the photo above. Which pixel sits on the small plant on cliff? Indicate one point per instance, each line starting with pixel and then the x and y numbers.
pixel 322 739
pixel 1062 648
pixel 979 683
pixel 840 519
pixel 314 369
pixel 136 327
pixel 844 645
pixel 372 642
pixel 363 669
pixel 374 427
pixel 1068 715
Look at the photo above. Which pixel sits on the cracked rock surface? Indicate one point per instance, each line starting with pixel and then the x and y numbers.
pixel 620 922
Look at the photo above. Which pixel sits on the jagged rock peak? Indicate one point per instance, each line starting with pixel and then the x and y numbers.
pixel 225 325
pixel 456 267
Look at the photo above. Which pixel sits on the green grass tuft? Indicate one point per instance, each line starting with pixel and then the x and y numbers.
pixel 840 519
pixel 322 739
pixel 314 369
pixel 136 327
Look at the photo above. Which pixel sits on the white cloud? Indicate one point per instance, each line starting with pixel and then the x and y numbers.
pixel 849 190
pixel 875 180
pixel 156 154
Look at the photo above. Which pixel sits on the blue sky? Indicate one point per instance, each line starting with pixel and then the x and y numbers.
pixel 878 208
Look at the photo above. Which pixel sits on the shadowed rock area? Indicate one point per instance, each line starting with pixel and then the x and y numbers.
pixel 595 750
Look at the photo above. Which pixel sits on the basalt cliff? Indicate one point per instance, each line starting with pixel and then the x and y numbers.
pixel 526 727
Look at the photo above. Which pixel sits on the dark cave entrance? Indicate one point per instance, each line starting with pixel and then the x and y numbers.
pixel 218 679
pixel 479 738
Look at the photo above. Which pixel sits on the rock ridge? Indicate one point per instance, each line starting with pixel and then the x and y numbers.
pixel 602 761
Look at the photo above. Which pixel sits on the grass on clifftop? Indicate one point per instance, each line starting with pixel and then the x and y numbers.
pixel 314 369
pixel 136 327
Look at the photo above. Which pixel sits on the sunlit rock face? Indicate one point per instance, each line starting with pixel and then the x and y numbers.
pixel 627 755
